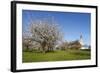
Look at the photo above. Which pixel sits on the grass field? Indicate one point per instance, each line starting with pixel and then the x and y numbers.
pixel 56 56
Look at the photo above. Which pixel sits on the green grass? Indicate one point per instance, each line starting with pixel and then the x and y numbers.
pixel 56 56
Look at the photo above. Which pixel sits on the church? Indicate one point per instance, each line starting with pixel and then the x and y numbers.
pixel 82 43
pixel 77 44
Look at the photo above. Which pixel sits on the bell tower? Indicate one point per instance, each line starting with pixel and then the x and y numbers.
pixel 81 39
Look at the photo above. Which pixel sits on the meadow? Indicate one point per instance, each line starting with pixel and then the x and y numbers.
pixel 58 55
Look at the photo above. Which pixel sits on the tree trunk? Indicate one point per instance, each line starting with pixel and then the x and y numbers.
pixel 43 47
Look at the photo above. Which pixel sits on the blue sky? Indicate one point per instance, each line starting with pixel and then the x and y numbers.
pixel 72 24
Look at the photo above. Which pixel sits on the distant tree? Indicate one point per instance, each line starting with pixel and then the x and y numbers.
pixel 26 44
pixel 89 47
pixel 75 45
pixel 64 45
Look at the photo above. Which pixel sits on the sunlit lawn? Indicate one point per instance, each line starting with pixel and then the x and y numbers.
pixel 56 56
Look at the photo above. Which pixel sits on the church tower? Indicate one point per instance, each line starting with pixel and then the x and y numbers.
pixel 81 40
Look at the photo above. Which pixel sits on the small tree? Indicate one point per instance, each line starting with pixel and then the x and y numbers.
pixel 26 42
